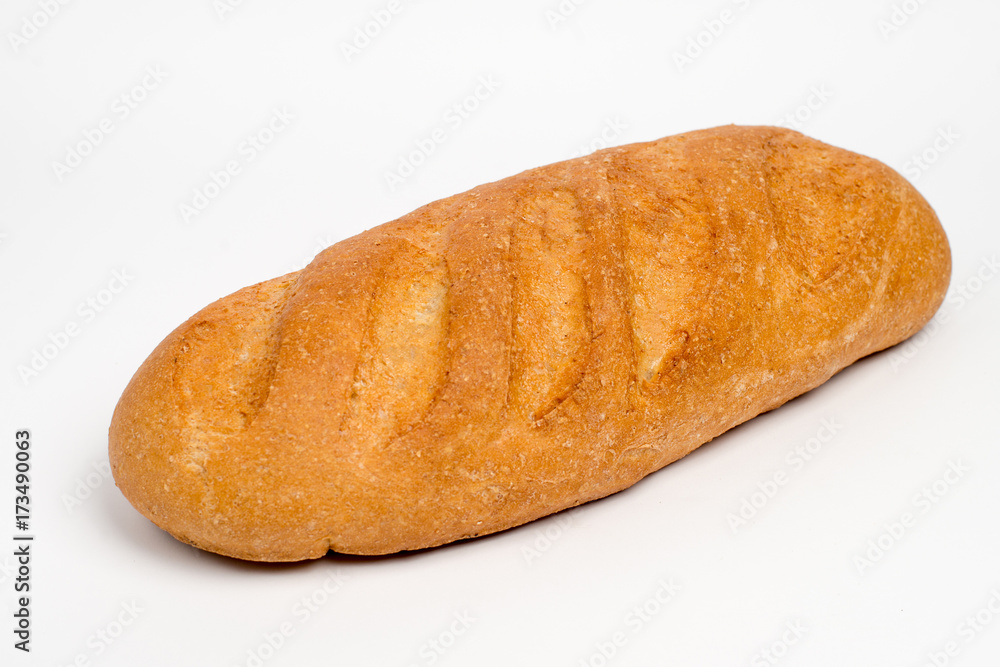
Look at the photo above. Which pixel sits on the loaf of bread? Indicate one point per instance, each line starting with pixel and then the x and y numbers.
pixel 524 347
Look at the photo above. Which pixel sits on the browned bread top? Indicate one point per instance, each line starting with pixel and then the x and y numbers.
pixel 525 346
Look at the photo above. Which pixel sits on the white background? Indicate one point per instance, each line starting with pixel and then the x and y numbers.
pixel 557 591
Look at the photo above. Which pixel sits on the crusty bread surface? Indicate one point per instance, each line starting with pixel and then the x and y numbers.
pixel 524 347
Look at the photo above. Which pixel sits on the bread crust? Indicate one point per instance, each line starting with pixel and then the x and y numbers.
pixel 526 346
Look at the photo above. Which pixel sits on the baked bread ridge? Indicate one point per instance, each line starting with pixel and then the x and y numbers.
pixel 524 347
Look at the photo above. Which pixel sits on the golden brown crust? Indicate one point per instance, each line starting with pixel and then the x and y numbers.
pixel 526 346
